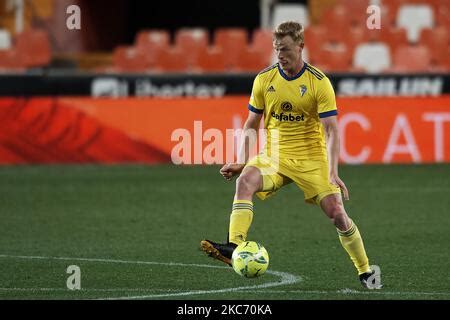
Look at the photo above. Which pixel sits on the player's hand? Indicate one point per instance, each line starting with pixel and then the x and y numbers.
pixel 231 169
pixel 334 179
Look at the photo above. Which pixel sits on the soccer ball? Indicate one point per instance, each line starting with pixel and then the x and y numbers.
pixel 250 259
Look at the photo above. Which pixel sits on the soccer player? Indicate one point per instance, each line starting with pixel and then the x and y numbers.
pixel 300 115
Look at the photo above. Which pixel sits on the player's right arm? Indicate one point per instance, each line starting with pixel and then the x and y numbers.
pixel 249 136
pixel 249 132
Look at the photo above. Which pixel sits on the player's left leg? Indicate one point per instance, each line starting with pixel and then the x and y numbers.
pixel 348 232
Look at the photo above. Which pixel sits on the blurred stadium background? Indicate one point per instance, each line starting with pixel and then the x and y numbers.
pixel 87 123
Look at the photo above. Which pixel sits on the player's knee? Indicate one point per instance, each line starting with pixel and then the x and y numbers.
pixel 336 213
pixel 339 218
pixel 247 184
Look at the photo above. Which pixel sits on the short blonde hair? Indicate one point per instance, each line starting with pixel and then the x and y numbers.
pixel 290 28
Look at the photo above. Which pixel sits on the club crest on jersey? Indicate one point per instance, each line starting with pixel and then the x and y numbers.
pixel 303 90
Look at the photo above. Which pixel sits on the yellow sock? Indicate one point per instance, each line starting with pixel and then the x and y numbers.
pixel 240 221
pixel 352 242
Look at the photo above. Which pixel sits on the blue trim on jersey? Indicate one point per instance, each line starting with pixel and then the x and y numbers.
pixel 328 114
pixel 284 75
pixel 253 109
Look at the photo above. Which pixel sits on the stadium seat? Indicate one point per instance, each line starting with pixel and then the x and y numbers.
pixel 5 39
pixel 413 58
pixel 331 57
pixel 152 42
pixel 372 57
pixel 151 38
pixel 355 36
pixel 210 60
pixel 315 37
pixel 262 41
pixel 414 18
pixel 191 42
pixel 173 60
pixel 393 37
pixel 356 11
pixel 389 12
pixel 33 47
pixel 231 41
pixel 446 62
pixel 10 61
pixel 337 60
pixel 290 11
pixel 336 21
pixel 437 40
pixel 443 16
pixel 321 57
pixel 251 60
pixel 355 7
pixel 131 59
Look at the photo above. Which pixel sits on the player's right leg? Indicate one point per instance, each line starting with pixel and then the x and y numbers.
pixel 261 176
pixel 249 182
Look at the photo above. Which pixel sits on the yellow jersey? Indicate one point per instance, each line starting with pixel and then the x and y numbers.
pixel 293 106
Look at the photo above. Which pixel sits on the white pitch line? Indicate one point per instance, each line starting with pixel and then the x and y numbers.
pixel 112 261
pixel 285 278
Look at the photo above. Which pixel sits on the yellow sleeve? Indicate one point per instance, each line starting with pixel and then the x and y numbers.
pixel 326 100
pixel 256 103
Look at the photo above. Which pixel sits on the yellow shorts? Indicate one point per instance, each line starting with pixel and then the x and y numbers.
pixel 311 176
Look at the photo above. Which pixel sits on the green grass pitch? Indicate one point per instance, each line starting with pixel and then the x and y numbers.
pixel 134 232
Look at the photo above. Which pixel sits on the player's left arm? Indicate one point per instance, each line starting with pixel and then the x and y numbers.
pixel 330 124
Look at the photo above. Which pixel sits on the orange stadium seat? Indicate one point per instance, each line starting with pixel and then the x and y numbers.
pixel 152 42
pixel 172 60
pixel 438 41
pixel 388 15
pixel 211 60
pixel 251 60
pixel 443 16
pixel 355 36
pixel 356 11
pixel 232 41
pixel 336 21
pixel 33 47
pixel 354 7
pixel 336 60
pixel 413 58
pixel 262 41
pixel 446 62
pixel 393 37
pixel 131 59
pixel 191 42
pixel 9 60
pixel 315 37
